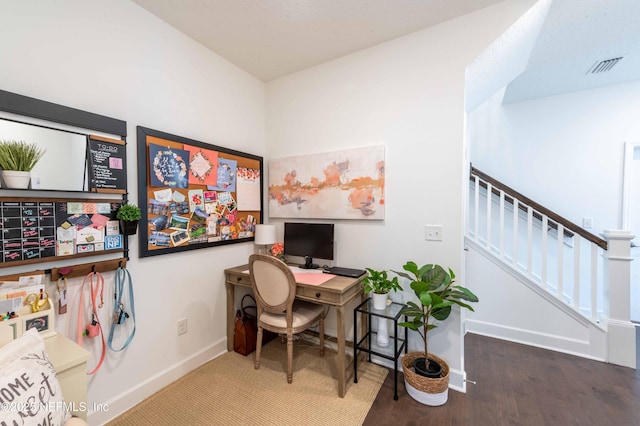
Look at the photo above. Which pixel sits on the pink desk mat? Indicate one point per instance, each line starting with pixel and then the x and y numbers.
pixel 312 278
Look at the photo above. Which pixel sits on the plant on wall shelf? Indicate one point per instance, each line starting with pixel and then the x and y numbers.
pixel 129 215
pixel 17 159
pixel 19 155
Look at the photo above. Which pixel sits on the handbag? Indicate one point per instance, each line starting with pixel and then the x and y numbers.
pixel 246 328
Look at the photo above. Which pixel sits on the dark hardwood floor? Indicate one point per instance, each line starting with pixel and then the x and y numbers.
pixel 521 385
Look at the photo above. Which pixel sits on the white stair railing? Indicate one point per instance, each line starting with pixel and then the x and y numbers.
pixel 558 256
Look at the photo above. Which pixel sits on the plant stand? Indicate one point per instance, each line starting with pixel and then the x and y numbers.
pixel 369 345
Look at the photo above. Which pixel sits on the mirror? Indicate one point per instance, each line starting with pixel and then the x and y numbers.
pixel 62 167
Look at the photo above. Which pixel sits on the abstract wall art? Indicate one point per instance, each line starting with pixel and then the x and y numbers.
pixel 346 184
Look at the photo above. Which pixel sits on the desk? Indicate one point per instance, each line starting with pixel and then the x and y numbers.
pixel 336 292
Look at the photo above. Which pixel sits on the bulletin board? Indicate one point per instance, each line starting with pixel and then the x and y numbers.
pixel 194 195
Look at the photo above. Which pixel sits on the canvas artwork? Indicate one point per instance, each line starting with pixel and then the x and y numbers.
pixel 203 165
pixel 169 166
pixel 346 184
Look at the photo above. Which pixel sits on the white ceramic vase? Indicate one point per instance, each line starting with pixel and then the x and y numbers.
pixel 379 301
pixel 382 337
pixel 15 179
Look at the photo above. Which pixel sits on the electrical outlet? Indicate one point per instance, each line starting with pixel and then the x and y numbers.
pixel 587 222
pixel 182 326
pixel 433 232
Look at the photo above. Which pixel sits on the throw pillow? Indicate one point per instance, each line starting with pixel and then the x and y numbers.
pixel 30 393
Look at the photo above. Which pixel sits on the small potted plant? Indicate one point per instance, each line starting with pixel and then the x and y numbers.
pixel 426 375
pixel 17 159
pixel 379 285
pixel 129 215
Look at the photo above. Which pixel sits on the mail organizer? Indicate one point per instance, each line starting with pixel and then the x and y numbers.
pixel 43 321
pixel 36 230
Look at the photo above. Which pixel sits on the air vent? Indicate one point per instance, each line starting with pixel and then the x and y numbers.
pixel 604 66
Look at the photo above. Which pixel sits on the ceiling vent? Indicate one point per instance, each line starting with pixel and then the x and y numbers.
pixel 604 66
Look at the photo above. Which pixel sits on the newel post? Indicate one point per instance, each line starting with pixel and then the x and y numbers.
pixel 621 333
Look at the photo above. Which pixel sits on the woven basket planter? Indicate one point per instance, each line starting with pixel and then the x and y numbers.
pixel 421 383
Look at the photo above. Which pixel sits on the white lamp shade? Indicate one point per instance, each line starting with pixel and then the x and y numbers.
pixel 265 234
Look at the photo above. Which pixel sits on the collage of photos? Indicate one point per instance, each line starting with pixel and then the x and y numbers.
pixel 199 196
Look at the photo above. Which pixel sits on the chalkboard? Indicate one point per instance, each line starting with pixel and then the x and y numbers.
pixel 37 229
pixel 107 165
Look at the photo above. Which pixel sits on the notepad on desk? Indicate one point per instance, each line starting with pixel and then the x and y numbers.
pixel 308 276
pixel 298 270
pixel 312 278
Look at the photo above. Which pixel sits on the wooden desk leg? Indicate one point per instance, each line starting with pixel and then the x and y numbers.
pixel 341 357
pixel 230 316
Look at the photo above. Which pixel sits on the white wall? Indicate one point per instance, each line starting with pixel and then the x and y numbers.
pixel 115 59
pixel 564 152
pixel 407 94
pixel 525 313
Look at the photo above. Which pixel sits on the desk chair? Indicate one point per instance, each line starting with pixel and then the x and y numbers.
pixel 275 289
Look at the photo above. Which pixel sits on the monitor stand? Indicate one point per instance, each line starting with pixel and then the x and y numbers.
pixel 308 263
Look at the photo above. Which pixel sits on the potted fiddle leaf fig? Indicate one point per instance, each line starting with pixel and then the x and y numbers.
pixel 426 375
pixel 379 284
pixel 129 215
pixel 17 159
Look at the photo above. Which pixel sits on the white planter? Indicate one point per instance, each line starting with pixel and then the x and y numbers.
pixel 432 399
pixel 379 301
pixel 15 179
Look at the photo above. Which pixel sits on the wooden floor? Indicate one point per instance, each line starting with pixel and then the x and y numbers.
pixel 521 385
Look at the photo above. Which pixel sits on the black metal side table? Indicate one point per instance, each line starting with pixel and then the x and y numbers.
pixel 370 346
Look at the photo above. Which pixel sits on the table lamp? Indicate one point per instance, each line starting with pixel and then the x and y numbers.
pixel 265 235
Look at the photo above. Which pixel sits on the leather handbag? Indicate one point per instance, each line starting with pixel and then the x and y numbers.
pixel 246 328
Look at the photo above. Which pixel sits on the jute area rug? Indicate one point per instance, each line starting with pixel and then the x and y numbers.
pixel 229 391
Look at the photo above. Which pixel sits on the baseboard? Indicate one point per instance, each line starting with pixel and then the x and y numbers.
pixel 575 347
pixel 126 400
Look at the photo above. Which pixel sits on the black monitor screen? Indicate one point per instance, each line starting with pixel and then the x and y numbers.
pixel 309 240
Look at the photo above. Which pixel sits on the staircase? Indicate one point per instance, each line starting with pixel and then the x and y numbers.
pixel 543 280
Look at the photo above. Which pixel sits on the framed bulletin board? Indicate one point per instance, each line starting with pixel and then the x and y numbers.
pixel 194 195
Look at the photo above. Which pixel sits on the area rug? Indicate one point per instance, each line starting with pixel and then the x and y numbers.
pixel 229 391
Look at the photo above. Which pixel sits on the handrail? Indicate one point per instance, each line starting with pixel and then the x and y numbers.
pixel 553 216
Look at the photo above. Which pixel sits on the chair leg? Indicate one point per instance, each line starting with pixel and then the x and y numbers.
pixel 256 362
pixel 289 357
pixel 321 329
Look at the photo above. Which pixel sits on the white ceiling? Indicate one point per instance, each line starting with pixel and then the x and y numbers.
pixel 272 38
pixel 576 35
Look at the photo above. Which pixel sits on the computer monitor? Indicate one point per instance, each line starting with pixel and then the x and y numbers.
pixel 309 240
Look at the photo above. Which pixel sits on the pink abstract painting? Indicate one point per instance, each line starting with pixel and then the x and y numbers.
pixel 346 184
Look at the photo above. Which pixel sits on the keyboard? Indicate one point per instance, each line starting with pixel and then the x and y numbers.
pixel 344 272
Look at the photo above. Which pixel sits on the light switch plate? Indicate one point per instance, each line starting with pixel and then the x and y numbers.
pixel 433 232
